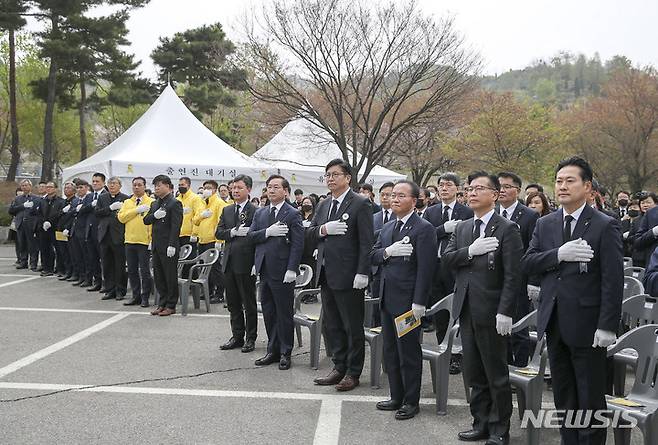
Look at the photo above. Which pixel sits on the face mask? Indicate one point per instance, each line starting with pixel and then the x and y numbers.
pixel 432 195
pixel 182 190
pixel 307 207
pixel 633 213
pixel 420 203
pixel 622 202
pixel 207 193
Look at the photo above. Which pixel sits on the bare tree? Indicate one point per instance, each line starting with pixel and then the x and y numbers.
pixel 357 70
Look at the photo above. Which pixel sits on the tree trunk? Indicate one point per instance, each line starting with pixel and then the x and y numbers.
pixel 81 112
pixel 48 161
pixel 15 154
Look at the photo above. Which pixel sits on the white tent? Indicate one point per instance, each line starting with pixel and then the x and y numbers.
pixel 169 139
pixel 301 150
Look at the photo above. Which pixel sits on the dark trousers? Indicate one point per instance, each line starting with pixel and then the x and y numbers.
pixel 165 275
pixel 277 300
pixel 403 359
pixel 443 284
pixel 79 253
pixel 139 273
pixel 485 369
pixel 181 242
pixel 518 352
pixel 114 266
pixel 63 262
pixel 342 310
pixel 28 247
pixel 216 277
pixel 47 249
pixel 241 302
pixel 579 382
pixel 93 256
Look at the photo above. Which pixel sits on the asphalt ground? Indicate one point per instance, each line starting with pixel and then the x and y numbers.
pixel 78 370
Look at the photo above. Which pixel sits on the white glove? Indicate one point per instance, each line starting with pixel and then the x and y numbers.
pixel 218 245
pixel 150 246
pixel 533 292
pixel 65 232
pixel 483 245
pixel 142 208
pixel 160 213
pixel 253 270
pixel 194 239
pixel 206 213
pixel 335 228
pixel 399 248
pixel 116 205
pixel 28 204
pixel 46 225
pixel 290 276
pixel 240 231
pixel 625 235
pixel 360 281
pixel 94 202
pixel 315 254
pixel 449 226
pixel 171 251
pixel 186 210
pixel 66 208
pixel 306 223
pixel 78 207
pixel 418 310
pixel 655 231
pixel 503 324
pixel 276 229
pixel 575 251
pixel 603 339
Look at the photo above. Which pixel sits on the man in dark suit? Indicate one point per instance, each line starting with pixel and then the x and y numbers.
pixel 24 211
pixel 444 217
pixel 647 234
pixel 237 265
pixel 577 251
pixel 509 207
pixel 379 219
pixel 111 234
pixel 406 253
pixel 485 252
pixel 367 191
pixel 278 235
pixel 93 257
pixel 64 258
pixel 165 217
pixel 78 233
pixel 342 226
pixel 651 276
pixel 50 209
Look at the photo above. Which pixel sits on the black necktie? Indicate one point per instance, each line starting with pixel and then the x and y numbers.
pixel 446 215
pixel 397 231
pixel 567 228
pixel 504 213
pixel 272 215
pixel 476 229
pixel 622 212
pixel 237 214
pixel 95 196
pixel 137 201
pixel 387 216
pixel 334 210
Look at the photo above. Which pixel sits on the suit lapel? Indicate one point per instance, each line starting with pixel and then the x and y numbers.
pixel 583 222
pixel 518 212
pixel 492 225
pixel 345 204
pixel 283 213
pixel 559 225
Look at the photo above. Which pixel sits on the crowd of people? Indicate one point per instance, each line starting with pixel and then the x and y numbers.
pixel 499 255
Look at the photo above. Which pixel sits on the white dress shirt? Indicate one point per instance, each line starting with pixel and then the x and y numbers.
pixel 485 220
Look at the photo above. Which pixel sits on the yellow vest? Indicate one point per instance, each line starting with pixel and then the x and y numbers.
pixel 136 231
pixel 206 227
pixel 192 204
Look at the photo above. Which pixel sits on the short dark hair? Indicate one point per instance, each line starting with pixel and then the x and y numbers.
pixel 344 165
pixel 449 176
pixel 284 181
pixel 299 192
pixel 139 178
pixel 244 178
pixel 647 195
pixel 162 179
pixel 186 179
pixel 585 170
pixel 99 175
pixel 625 192
pixel 212 183
pixel 513 176
pixel 81 182
pixel 535 185
pixel 42 182
pixel 386 185
pixel 366 186
pixel 222 185
pixel 493 179
pixel 415 190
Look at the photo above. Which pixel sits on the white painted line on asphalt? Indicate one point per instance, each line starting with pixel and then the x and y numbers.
pixel 97 311
pixel 25 361
pixel 327 431
pixel 18 281
pixel 15 275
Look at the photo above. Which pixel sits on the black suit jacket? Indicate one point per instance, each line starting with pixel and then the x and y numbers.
pixel 277 254
pixel 88 210
pixel 644 238
pixel 490 281
pixel 406 281
pixel 344 256
pixel 80 226
pixel 585 301
pixel 434 215
pixel 50 210
pixel 239 251
pixel 23 215
pixel 525 218
pixel 108 223
pixel 65 220
pixel 165 231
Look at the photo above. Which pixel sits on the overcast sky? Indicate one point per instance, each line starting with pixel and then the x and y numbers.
pixel 509 34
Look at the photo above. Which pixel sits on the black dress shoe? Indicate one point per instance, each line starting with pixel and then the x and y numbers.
pixel 64 278
pixel 77 283
pixel 34 269
pixel 389 405
pixel 473 435
pixel 86 284
pixel 285 362
pixel 73 278
pixel 108 296
pixel 145 304
pixel 46 274
pixel 249 346
pixel 498 440
pixel 407 411
pixel 120 297
pixel 21 266
pixel 455 364
pixel 232 344
pixel 268 359
pixel 95 288
pixel 132 302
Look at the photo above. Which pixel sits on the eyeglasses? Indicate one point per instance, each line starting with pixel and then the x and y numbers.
pixel 478 189
pixel 333 175
pixel 509 187
pixel 274 187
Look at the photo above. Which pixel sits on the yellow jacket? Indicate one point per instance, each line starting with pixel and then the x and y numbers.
pixel 136 231
pixel 206 227
pixel 192 204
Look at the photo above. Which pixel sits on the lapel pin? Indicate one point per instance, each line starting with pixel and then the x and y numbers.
pixel 405 240
pixel 344 217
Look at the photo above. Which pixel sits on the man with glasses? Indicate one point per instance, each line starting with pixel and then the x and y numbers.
pixel 342 226
pixel 23 209
pixel 485 252
pixel 50 210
